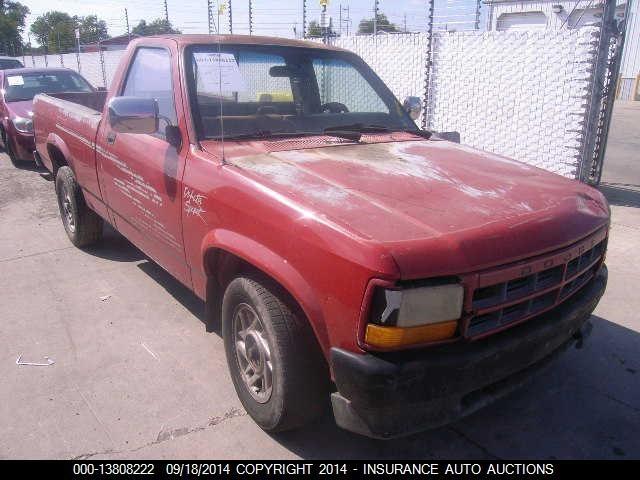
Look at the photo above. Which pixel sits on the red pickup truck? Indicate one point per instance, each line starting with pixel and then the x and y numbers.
pixel 349 256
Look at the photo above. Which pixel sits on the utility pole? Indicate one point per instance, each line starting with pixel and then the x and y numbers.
pixel 166 12
pixel 375 17
pixel 126 19
pixel 405 22
pixel 340 24
pixel 477 22
pixel 230 18
pixel 250 19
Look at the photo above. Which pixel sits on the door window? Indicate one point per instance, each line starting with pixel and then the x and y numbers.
pixel 150 77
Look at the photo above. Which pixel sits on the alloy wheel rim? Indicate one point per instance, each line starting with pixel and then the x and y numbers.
pixel 67 211
pixel 253 353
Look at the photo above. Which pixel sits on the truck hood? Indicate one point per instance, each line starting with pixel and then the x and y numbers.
pixel 21 109
pixel 437 206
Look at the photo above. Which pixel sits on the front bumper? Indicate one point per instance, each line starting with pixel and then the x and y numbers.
pixel 23 145
pixel 395 394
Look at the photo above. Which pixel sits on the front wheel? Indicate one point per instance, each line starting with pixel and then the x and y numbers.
pixel 275 364
pixel 9 149
pixel 83 225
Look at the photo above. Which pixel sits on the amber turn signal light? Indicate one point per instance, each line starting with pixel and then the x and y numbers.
pixel 393 337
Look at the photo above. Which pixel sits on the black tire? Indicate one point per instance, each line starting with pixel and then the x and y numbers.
pixel 83 225
pixel 300 378
pixel 9 150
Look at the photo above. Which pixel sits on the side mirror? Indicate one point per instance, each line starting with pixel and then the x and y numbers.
pixel 413 106
pixel 450 136
pixel 173 136
pixel 133 115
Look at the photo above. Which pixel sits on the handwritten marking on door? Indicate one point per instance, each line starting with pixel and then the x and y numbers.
pixel 193 202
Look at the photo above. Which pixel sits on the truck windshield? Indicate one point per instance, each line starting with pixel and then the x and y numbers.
pixel 26 85
pixel 261 91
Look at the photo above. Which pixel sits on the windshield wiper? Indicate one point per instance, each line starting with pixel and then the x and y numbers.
pixel 261 134
pixel 372 128
pixel 358 127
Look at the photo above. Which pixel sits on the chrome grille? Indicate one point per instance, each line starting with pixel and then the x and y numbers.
pixel 515 299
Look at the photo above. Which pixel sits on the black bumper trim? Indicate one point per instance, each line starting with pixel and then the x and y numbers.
pixel 37 159
pixel 394 394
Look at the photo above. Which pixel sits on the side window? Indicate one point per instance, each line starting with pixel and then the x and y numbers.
pixel 339 81
pixel 150 77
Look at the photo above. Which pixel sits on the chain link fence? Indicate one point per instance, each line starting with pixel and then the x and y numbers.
pixel 542 97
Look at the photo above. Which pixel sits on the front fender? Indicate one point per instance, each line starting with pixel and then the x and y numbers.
pixel 276 267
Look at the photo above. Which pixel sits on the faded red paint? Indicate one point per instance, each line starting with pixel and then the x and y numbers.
pixel 324 217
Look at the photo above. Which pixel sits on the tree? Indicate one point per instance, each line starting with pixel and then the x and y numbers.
pixel 314 30
pixel 92 29
pixel 384 25
pixel 12 19
pixel 158 27
pixel 55 31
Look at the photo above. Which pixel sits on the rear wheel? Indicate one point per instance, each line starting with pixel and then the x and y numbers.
pixel 275 364
pixel 83 225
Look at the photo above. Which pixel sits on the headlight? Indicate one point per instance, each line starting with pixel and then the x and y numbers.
pixel 414 315
pixel 23 125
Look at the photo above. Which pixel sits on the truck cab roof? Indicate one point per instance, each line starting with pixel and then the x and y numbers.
pixel 199 39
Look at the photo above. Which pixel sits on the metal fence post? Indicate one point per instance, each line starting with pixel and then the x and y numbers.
pixel 428 64
pixel 78 49
pixel 614 62
pixel 126 19
pixel 102 65
pixel 607 30
pixel 209 17
pixel 375 17
pixel 304 19
pixel 33 60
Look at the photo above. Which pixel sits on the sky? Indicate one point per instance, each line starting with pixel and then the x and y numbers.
pixel 271 17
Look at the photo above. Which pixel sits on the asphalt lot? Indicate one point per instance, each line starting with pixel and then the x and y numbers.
pixel 137 376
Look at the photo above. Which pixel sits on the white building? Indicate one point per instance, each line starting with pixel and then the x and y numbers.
pixel 542 14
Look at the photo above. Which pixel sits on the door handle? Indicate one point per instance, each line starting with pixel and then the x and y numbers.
pixel 111 138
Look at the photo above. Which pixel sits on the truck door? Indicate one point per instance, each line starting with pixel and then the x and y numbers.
pixel 140 174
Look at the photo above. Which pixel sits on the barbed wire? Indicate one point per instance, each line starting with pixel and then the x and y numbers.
pixel 281 20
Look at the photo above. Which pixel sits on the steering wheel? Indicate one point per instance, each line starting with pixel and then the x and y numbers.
pixel 333 107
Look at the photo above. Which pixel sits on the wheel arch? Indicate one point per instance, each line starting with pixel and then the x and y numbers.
pixel 58 153
pixel 226 254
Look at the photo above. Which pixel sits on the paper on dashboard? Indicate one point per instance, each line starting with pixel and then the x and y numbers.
pixel 218 73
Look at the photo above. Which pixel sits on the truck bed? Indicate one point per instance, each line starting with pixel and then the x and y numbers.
pixel 93 100
pixel 65 125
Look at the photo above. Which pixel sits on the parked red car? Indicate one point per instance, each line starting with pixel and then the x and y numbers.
pixel 348 256
pixel 19 86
